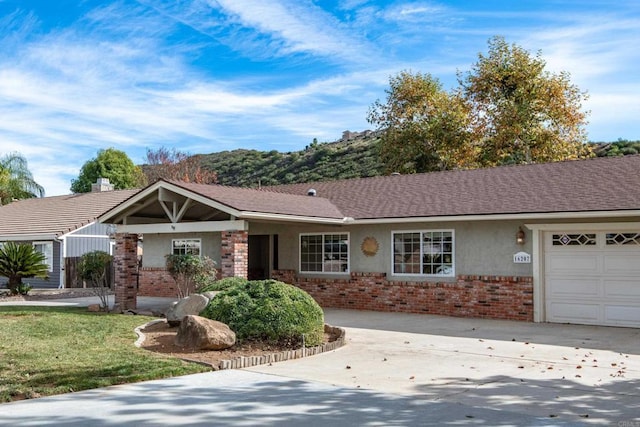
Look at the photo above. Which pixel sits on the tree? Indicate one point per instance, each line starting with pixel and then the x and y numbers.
pixel 176 165
pixel 16 181
pixel 506 110
pixel 19 261
pixel 190 272
pixel 522 113
pixel 94 268
pixel 424 128
pixel 112 164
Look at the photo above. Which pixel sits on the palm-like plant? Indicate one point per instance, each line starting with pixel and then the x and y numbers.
pixel 16 181
pixel 18 261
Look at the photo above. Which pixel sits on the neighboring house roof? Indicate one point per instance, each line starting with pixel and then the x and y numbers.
pixel 51 217
pixel 598 184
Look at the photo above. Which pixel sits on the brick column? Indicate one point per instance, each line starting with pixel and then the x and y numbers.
pixel 234 253
pixel 126 269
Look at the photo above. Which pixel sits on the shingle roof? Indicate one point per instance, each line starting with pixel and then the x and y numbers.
pixel 251 200
pixel 57 215
pixel 599 184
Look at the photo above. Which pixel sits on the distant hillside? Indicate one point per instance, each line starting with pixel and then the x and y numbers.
pixel 354 156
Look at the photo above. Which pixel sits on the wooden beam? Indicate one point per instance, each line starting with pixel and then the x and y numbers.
pixel 184 227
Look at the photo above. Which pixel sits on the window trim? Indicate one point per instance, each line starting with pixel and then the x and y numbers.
pixel 46 243
pixel 198 239
pixel 421 231
pixel 323 234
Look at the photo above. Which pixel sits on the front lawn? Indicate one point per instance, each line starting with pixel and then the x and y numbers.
pixel 53 350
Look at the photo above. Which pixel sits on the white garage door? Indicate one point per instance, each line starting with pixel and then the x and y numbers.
pixel 592 278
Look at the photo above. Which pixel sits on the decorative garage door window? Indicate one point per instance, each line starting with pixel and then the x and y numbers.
pixel 623 238
pixel 324 253
pixel 424 253
pixel 186 246
pixel 583 239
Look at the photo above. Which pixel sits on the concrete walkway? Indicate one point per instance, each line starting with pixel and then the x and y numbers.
pixel 397 369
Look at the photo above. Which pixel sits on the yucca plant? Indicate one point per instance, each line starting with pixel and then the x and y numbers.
pixel 18 261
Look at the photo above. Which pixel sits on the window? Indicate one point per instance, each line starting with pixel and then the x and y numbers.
pixel 46 249
pixel 424 252
pixel 573 239
pixel 186 246
pixel 324 253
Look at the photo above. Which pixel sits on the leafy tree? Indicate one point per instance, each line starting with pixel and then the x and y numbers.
pixel 424 128
pixel 94 268
pixel 190 272
pixel 112 164
pixel 176 165
pixel 19 261
pixel 522 113
pixel 16 181
pixel 507 109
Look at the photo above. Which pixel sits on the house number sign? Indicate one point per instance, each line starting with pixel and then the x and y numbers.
pixel 522 258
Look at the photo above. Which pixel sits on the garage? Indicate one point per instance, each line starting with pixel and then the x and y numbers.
pixel 592 277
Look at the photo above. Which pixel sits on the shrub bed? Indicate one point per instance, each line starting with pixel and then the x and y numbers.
pixel 222 284
pixel 269 310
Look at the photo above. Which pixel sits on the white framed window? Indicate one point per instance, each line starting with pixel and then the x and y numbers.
pixel 424 252
pixel 46 249
pixel 324 253
pixel 186 246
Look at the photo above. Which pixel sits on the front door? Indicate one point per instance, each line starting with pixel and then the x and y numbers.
pixel 259 257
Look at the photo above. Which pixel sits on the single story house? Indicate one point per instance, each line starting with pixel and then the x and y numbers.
pixel 554 242
pixel 61 227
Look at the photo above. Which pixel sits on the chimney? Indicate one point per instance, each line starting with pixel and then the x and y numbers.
pixel 102 184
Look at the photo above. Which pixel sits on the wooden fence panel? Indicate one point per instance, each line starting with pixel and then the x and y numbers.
pixel 72 273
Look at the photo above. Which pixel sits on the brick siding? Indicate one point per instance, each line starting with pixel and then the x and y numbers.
pixel 234 253
pixel 157 282
pixel 126 270
pixel 490 297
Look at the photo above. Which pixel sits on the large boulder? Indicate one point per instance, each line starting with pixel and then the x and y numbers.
pixel 191 305
pixel 199 333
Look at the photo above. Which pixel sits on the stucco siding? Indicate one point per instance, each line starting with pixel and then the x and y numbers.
pixel 156 246
pixel 481 248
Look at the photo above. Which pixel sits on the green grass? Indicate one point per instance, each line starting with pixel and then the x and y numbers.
pixel 52 350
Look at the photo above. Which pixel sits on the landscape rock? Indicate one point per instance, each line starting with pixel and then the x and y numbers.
pixel 94 307
pixel 200 333
pixel 210 294
pixel 191 305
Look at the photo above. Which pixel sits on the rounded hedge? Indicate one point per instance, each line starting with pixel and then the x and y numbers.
pixel 269 310
pixel 222 284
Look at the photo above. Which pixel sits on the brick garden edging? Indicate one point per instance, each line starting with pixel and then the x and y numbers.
pixel 249 361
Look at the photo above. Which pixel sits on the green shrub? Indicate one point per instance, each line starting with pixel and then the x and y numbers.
pixel 222 284
pixel 190 272
pixel 23 288
pixel 19 261
pixel 269 310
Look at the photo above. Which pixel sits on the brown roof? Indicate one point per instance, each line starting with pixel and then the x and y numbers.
pixel 57 215
pixel 599 184
pixel 251 200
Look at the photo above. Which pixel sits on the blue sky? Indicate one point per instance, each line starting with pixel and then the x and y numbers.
pixel 205 76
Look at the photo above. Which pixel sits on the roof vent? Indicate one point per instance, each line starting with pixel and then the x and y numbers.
pixel 395 173
pixel 311 192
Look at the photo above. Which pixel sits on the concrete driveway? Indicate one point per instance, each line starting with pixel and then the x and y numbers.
pixel 582 374
pixel 397 369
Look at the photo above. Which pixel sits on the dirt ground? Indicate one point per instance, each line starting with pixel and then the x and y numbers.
pixel 159 337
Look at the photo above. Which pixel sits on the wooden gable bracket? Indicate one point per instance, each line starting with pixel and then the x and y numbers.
pixel 170 203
